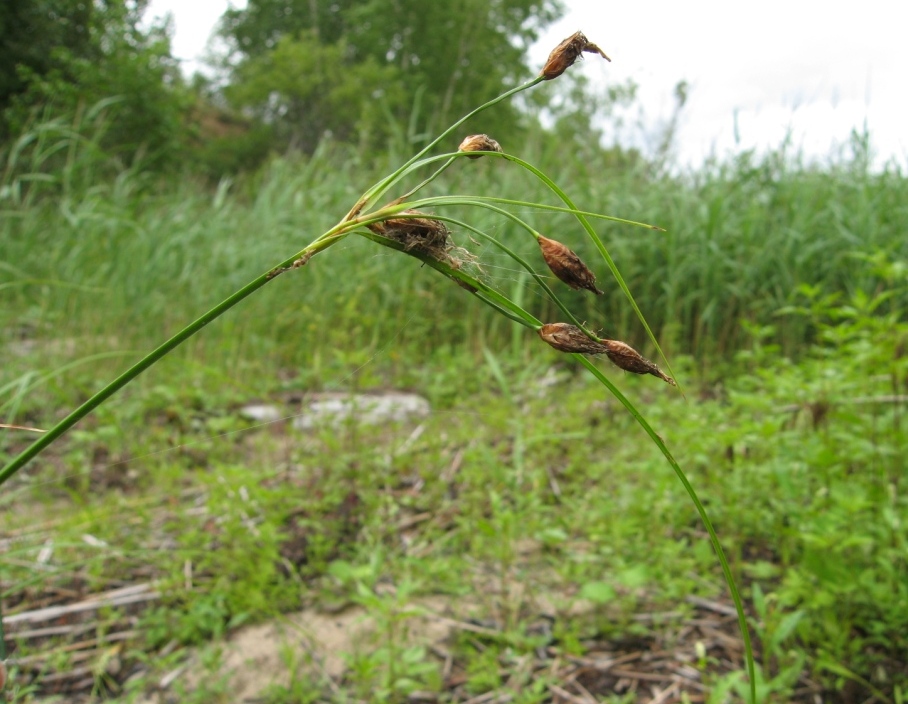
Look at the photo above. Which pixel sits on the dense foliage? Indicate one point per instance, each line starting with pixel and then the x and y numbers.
pixel 524 493
pixel 65 59
pixel 355 68
pixel 291 73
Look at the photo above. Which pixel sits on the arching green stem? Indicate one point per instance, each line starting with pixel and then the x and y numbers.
pixel 379 188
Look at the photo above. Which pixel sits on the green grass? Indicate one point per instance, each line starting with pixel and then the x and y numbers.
pixel 807 505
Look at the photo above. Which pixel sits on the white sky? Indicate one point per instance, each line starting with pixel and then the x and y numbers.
pixel 814 69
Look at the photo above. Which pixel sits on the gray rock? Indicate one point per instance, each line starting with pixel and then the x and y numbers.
pixel 367 409
pixel 263 413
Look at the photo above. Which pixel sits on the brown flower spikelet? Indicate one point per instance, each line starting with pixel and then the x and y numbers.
pixel 569 338
pixel 627 358
pixel 567 266
pixel 565 54
pixel 479 143
pixel 422 233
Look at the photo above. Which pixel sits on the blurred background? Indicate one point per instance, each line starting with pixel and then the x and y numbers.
pixel 809 72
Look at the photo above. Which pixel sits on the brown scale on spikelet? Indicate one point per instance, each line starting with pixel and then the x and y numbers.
pixel 424 235
pixel 479 143
pixel 570 338
pixel 565 54
pixel 567 266
pixel 628 359
pixel 420 233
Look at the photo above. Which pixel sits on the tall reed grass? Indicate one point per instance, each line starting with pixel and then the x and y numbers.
pixel 126 259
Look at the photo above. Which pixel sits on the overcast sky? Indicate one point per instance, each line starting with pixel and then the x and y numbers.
pixel 814 69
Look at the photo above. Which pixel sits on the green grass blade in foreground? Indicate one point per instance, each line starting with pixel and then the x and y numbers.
pixel 51 282
pixel 2 643
pixel 459 199
pixel 464 199
pixel 426 181
pixel 30 380
pixel 844 672
pixel 713 537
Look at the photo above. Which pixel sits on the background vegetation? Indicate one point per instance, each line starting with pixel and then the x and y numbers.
pixel 132 199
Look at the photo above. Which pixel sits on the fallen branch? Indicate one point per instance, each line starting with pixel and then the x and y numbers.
pixel 118 597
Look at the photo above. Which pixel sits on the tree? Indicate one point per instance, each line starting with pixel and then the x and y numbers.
pixel 30 31
pixel 304 89
pixel 454 55
pixel 66 56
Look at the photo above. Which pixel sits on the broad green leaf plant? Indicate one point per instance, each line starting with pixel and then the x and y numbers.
pixel 403 224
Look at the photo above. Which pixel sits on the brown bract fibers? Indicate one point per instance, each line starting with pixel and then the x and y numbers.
pixel 415 232
pixel 565 54
pixel 567 266
pixel 422 234
pixel 569 338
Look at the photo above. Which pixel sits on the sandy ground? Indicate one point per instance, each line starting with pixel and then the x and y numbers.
pixel 254 658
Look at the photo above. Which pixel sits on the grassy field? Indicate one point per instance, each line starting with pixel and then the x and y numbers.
pixel 526 511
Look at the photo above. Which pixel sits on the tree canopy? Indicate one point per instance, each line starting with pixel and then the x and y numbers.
pixel 31 31
pixel 62 57
pixel 293 72
pixel 361 62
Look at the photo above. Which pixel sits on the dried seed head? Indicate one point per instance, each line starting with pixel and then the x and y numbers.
pixel 626 357
pixel 569 338
pixel 565 54
pixel 424 235
pixel 421 233
pixel 567 266
pixel 479 143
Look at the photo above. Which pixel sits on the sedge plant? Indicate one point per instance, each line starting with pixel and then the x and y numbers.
pixel 403 225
